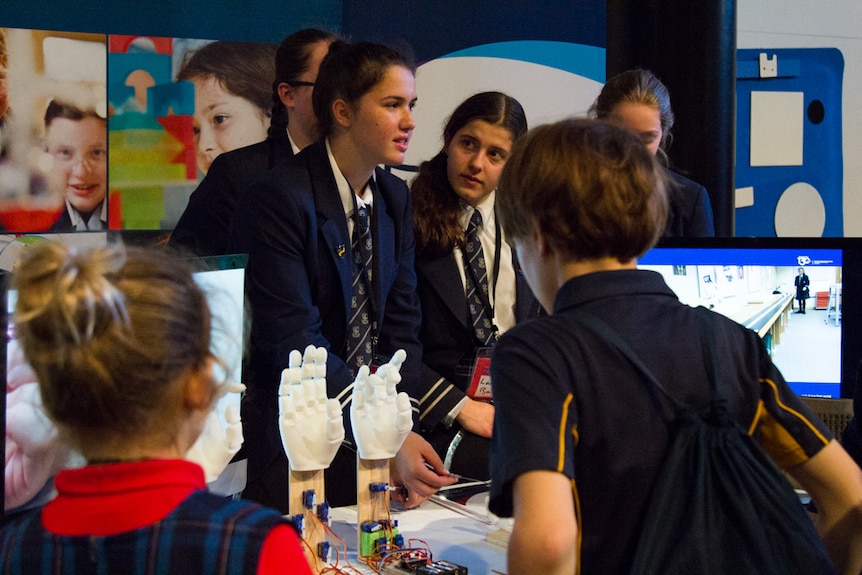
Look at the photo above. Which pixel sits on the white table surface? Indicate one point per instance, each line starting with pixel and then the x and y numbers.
pixel 451 536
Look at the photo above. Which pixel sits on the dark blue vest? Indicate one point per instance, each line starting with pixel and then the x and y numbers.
pixel 205 534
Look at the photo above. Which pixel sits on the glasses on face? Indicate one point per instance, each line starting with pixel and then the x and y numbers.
pixel 299 83
pixel 69 157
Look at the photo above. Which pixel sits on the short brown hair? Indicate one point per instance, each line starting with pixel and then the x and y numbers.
pixel 592 189
pixel 245 69
pixel 60 109
pixel 108 333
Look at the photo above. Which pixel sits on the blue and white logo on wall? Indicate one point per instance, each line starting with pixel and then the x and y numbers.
pixel 789 161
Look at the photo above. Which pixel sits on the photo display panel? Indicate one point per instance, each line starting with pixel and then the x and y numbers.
pixel 752 281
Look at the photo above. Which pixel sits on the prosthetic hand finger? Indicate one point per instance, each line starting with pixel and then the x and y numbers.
pixel 291 374
pixel 233 431
pixel 309 394
pixel 362 388
pixel 395 363
pixel 320 356
pixel 232 386
pixel 379 394
pixel 389 376
pixel 297 395
pixel 357 405
pixel 308 362
pixel 308 354
pixel 232 415
pixel 319 385
pixel 392 386
pixel 397 359
pixel 404 420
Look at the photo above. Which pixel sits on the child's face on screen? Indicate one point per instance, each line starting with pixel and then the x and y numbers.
pixel 224 121
pixel 80 152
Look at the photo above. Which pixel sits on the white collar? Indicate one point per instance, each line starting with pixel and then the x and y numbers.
pixel 363 199
pixel 486 208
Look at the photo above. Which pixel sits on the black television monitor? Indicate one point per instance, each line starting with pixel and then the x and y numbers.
pixel 751 280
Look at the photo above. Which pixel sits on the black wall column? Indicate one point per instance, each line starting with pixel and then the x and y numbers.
pixel 691 46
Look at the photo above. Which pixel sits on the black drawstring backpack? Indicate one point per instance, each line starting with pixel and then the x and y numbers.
pixel 719 504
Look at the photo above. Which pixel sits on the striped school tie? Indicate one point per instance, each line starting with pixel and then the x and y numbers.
pixel 477 279
pixel 359 351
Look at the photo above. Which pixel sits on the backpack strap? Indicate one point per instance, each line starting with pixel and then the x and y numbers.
pixel 717 408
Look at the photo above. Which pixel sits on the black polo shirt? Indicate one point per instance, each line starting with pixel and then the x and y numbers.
pixel 568 401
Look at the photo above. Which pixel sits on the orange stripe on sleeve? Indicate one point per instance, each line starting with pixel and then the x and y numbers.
pixel 561 447
pixel 775 439
pixel 810 425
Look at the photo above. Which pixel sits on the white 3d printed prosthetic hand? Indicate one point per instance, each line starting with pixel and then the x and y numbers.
pixel 221 437
pixel 311 425
pixel 380 417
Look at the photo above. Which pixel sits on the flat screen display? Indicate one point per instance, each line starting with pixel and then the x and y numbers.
pixel 752 281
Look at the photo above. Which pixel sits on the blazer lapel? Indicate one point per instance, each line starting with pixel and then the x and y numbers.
pixel 383 242
pixel 331 222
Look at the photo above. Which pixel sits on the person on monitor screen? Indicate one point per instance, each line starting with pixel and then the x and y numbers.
pixel 802 283
pixel 77 140
pixel 636 100
pixel 578 441
pixel 232 99
pixel 120 344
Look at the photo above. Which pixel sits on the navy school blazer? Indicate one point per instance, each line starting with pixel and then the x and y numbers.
pixel 446 335
pixel 299 283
